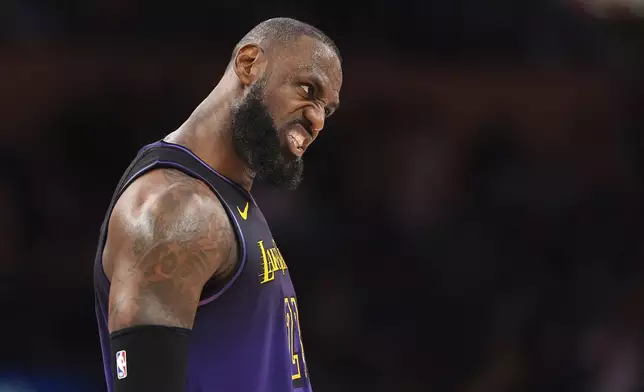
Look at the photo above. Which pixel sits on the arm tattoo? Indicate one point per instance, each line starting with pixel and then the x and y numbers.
pixel 179 243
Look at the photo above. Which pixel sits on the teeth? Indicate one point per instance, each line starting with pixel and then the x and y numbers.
pixel 299 139
pixel 294 140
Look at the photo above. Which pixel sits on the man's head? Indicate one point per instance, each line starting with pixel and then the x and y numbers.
pixel 291 76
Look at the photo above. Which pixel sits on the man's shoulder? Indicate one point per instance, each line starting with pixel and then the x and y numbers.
pixel 167 207
pixel 168 191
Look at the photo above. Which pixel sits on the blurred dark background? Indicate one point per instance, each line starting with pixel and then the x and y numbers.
pixel 471 219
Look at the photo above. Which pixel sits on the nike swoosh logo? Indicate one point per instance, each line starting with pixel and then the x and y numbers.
pixel 243 214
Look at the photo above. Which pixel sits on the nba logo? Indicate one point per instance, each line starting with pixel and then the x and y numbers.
pixel 121 365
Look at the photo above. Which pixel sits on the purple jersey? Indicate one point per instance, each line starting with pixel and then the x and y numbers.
pixel 246 336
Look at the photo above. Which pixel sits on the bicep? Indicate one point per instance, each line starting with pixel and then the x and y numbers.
pixel 177 243
pixel 160 288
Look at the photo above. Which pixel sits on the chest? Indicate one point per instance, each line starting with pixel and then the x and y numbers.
pixel 265 263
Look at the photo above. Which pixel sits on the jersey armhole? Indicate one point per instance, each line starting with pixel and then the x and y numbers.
pixel 207 296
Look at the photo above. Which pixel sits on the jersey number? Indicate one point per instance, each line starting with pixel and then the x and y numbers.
pixel 295 347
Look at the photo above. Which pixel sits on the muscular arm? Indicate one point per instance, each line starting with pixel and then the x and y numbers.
pixel 179 237
pixel 167 235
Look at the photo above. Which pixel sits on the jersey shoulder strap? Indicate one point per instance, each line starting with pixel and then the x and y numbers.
pixel 163 155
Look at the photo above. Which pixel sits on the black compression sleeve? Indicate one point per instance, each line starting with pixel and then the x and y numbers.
pixel 150 358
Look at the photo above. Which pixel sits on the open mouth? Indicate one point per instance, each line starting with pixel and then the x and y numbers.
pixel 295 147
pixel 298 140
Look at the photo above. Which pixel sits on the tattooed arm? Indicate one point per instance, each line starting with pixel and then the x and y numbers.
pixel 168 234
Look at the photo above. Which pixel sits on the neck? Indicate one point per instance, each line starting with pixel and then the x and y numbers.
pixel 207 133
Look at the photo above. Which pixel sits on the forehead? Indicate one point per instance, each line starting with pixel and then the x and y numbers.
pixel 308 55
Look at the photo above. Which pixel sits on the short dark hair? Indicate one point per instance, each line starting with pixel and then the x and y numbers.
pixel 283 31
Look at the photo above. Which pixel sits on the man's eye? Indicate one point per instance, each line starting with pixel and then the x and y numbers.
pixel 308 89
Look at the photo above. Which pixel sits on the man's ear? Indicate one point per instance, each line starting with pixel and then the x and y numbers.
pixel 249 64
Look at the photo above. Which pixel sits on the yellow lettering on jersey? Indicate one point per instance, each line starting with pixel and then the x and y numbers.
pixel 291 323
pixel 282 262
pixel 272 261
pixel 299 335
pixel 269 272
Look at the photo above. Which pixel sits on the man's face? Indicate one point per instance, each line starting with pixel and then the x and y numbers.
pixel 284 111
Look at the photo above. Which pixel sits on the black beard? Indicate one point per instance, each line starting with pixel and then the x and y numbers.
pixel 256 141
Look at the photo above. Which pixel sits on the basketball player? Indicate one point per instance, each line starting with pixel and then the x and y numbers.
pixel 192 292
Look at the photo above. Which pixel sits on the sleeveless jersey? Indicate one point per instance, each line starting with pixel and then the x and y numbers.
pixel 246 335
